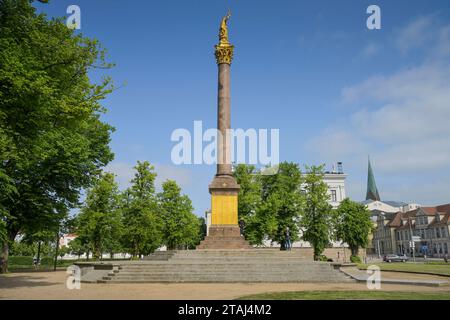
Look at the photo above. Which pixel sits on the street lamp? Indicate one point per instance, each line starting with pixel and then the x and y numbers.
pixel 412 245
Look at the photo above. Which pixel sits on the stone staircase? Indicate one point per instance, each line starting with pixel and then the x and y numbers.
pixel 227 266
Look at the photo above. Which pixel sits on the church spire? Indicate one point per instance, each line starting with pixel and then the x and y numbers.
pixel 372 191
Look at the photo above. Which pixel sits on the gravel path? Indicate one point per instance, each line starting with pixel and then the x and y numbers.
pixel 51 285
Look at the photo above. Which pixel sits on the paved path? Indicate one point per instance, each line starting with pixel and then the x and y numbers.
pixel 51 285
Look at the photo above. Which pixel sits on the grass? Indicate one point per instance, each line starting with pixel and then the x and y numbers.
pixel 349 295
pixel 436 268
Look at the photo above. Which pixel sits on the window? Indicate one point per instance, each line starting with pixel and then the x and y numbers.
pixel 333 196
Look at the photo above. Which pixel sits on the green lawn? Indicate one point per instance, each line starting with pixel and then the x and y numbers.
pixel 349 295
pixel 437 268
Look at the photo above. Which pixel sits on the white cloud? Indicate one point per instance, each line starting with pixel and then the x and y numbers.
pixel 402 119
pixel 124 173
pixel 415 34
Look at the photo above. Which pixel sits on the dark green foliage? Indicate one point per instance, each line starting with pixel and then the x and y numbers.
pixel 352 224
pixel 99 222
pixel 21 260
pixel 142 222
pixel 181 225
pixel 52 142
pixel 317 218
pixel 270 203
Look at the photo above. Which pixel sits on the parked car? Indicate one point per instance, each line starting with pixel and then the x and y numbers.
pixel 395 258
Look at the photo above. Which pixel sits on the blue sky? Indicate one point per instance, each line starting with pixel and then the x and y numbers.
pixel 335 90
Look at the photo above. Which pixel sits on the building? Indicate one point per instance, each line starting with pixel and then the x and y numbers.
pixel 383 215
pixel 394 232
pixel 66 239
pixel 335 180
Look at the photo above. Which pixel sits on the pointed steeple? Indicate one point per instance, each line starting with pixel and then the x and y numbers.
pixel 372 191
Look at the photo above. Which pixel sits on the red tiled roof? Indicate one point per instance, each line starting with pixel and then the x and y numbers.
pixel 396 221
pixel 443 208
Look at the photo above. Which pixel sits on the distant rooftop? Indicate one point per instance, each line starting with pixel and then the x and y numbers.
pixel 390 203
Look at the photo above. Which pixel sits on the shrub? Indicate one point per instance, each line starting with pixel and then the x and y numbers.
pixel 20 260
pixel 355 259
pixel 325 258
pixel 47 261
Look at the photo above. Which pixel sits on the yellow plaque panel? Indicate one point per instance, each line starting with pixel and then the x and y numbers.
pixel 224 209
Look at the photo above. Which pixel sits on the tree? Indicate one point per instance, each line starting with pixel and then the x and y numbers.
pixel 316 220
pixel 142 225
pixel 38 239
pixel 49 119
pixel 99 220
pixel 269 204
pixel 352 224
pixel 250 202
pixel 3 233
pixel 283 202
pixel 78 247
pixel 181 225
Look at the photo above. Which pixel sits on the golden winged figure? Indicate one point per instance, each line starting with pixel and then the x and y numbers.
pixel 223 33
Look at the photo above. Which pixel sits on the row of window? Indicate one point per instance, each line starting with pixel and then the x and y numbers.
pixel 432 233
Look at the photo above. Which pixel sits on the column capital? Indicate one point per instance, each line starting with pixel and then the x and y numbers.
pixel 224 53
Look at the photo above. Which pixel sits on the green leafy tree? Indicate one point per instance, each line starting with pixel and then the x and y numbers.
pixel 142 224
pixel 283 202
pixel 78 247
pixel 269 204
pixel 181 225
pixel 352 224
pixel 202 229
pixel 99 220
pixel 49 119
pixel 38 240
pixel 249 202
pixel 316 220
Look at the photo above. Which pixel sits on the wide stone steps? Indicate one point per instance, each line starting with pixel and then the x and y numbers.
pixel 228 266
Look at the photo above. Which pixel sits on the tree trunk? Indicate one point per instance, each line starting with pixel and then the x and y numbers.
pixel 355 250
pixel 56 251
pixel 4 257
pixel 39 252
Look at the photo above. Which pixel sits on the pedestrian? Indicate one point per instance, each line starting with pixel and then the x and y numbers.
pixel 241 226
pixel 445 258
pixel 287 239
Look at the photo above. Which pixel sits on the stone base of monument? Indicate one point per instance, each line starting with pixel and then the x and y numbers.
pixel 216 266
pixel 224 237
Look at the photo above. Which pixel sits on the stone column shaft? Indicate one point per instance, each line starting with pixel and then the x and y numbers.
pixel 223 121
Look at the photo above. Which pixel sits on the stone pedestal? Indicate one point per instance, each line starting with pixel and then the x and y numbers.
pixel 224 237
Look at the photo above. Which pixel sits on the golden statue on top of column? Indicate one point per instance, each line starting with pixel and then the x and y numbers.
pixel 223 33
pixel 224 50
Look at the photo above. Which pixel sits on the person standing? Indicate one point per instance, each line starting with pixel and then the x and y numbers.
pixel 242 226
pixel 287 239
